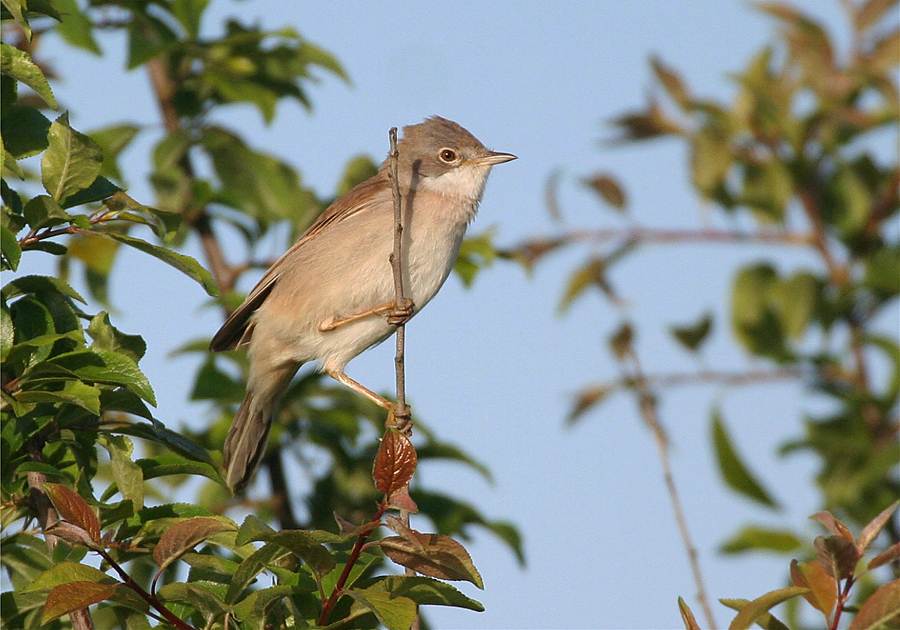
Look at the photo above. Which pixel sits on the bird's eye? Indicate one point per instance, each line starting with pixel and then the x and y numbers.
pixel 448 155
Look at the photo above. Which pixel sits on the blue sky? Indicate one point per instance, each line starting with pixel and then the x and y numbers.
pixel 494 368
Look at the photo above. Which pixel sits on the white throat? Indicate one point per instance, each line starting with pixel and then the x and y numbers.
pixel 465 183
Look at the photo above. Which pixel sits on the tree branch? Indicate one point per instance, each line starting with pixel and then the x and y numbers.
pixel 647 404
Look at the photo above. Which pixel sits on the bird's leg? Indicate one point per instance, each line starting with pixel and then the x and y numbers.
pixel 401 421
pixel 395 315
pixel 343 379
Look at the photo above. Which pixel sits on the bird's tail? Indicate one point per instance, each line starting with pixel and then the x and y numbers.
pixel 246 442
pixel 249 432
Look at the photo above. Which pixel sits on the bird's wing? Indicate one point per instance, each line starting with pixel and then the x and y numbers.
pixel 235 331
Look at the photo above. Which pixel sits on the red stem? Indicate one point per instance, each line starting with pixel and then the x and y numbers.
pixel 354 556
pixel 842 599
pixel 169 616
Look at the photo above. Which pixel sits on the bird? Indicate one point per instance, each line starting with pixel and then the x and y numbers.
pixel 331 296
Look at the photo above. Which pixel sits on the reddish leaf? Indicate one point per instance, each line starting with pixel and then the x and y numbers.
pixel 400 500
pixel 184 536
pixel 395 462
pixel 687 617
pixel 888 555
pixel 833 525
pixel 434 555
pixel 837 555
pixel 74 509
pixel 587 399
pixel 812 575
pixel 65 598
pixel 881 607
pixel 871 531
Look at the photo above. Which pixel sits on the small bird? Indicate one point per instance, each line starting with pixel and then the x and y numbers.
pixel 331 295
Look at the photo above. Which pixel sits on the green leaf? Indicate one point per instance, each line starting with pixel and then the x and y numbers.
pixel 755 609
pixel 104 366
pixel 24 131
pixel 357 170
pixel 147 37
pixel 592 273
pixel 128 475
pixel 692 336
pixel 18 10
pixel 710 161
pixel 19 65
pixel 754 538
pixel 202 595
pixel 75 27
pixel 99 190
pixel 74 393
pixel 396 613
pixel 9 248
pixel 794 300
pixel 71 162
pixel 767 621
pixel 754 319
pixel 184 264
pixel 43 211
pixel 170 464
pixel 66 572
pixel 39 284
pixel 108 337
pixel 252 609
pixel 881 271
pixel 251 566
pixel 113 140
pixel 734 472
pixel 427 591
pixel 303 545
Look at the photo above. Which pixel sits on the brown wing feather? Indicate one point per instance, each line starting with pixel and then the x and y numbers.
pixel 234 330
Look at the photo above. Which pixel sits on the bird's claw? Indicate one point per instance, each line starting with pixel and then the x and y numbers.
pixel 401 313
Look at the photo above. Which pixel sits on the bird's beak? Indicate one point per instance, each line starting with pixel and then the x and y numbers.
pixel 493 158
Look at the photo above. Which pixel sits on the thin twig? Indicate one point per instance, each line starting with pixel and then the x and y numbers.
pixel 397 269
pixel 400 299
pixel 648 411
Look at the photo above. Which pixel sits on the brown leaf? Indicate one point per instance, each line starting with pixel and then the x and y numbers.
pixel 760 606
pixel 837 555
pixel 66 598
pixel 833 525
pixel 586 400
pixel 870 13
pixel 881 607
pixel 71 533
pixel 621 340
pixel 687 617
pixel 434 555
pixel 870 532
pixel 888 555
pixel 608 188
pixel 395 462
pixel 74 509
pixel 812 575
pixel 184 536
pixel 671 81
